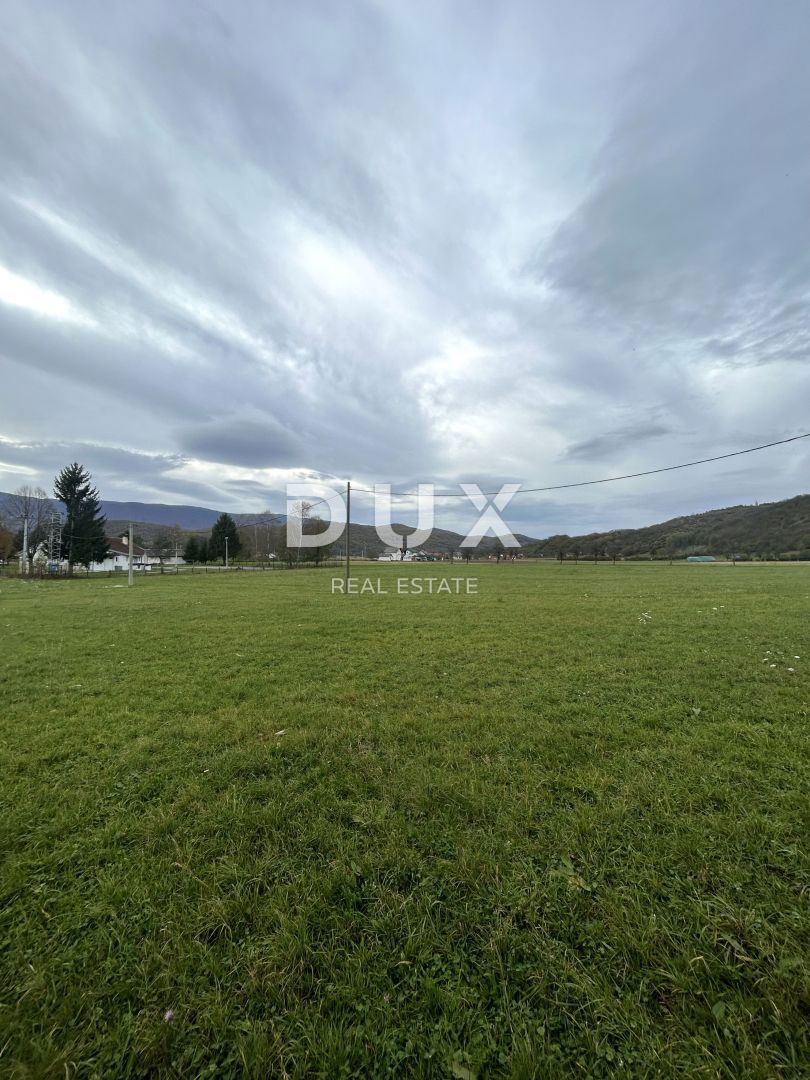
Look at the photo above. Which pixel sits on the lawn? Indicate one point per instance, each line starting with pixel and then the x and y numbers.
pixel 253 829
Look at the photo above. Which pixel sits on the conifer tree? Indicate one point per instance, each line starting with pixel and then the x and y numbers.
pixel 224 526
pixel 84 539
pixel 191 552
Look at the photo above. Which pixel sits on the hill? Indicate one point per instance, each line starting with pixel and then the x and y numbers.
pixel 148 529
pixel 185 517
pixel 265 535
pixel 259 530
pixel 775 530
pixel 768 530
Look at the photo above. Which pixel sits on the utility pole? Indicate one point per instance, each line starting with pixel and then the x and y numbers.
pixel 348 529
pixel 226 552
pixel 129 556
pixel 24 559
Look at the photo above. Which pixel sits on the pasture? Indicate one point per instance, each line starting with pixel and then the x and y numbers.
pixel 253 829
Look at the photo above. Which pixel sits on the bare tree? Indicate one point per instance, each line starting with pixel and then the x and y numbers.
pixel 301 511
pixel 163 544
pixel 30 504
pixel 258 537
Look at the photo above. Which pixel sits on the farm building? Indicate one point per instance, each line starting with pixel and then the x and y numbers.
pixel 700 558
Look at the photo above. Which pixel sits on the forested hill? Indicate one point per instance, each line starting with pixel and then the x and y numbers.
pixel 779 529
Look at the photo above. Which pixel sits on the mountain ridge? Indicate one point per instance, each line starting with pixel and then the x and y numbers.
pixel 773 529
pixel 763 529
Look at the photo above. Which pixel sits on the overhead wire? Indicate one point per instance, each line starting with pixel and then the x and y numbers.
pixel 522 490
pixel 602 480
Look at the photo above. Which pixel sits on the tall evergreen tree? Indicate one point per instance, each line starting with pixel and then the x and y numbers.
pixel 191 552
pixel 84 539
pixel 224 526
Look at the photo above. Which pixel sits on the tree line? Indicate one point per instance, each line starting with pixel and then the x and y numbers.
pixel 771 530
pixel 84 526
pixel 84 538
pixel 224 542
pixel 266 539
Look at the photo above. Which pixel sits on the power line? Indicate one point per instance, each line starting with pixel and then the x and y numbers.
pixel 528 491
pixel 604 479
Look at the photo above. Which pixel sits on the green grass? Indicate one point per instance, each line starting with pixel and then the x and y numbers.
pixel 529 833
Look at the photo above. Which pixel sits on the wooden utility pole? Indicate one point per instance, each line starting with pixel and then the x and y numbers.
pixel 129 570
pixel 24 559
pixel 348 531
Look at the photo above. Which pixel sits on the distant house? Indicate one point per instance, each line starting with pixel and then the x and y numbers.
pixel 389 555
pixel 118 556
pixel 700 558
pixel 171 560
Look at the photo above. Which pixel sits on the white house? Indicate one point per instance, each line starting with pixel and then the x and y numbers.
pixel 118 556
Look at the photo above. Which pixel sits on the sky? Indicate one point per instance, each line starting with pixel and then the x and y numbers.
pixel 243 245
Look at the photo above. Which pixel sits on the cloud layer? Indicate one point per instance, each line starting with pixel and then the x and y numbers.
pixel 540 243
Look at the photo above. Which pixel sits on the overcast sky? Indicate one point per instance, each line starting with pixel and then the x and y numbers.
pixel 407 241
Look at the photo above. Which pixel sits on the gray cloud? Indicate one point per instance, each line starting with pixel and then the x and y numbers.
pixel 695 220
pixel 606 444
pixel 241 441
pixel 404 244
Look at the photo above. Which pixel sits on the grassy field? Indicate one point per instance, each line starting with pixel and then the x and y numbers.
pixel 558 828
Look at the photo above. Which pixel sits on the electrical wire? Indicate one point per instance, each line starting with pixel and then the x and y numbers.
pixel 528 491
pixel 604 479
